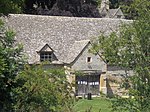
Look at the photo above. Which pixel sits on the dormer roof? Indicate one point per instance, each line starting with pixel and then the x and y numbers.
pixel 45 48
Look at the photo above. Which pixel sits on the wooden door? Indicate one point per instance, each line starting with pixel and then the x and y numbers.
pixel 88 84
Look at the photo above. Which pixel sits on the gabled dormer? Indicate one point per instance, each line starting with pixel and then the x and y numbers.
pixel 46 53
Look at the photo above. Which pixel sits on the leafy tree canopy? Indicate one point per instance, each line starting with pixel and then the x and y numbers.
pixel 77 8
pixel 130 8
pixel 43 90
pixel 10 66
pixel 11 6
pixel 130 49
pixel 29 88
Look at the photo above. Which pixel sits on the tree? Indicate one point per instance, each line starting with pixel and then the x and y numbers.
pixel 10 66
pixel 29 88
pixel 43 90
pixel 118 3
pixel 11 6
pixel 130 49
pixel 75 8
pixel 131 8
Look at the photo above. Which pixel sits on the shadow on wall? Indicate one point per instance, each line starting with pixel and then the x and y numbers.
pixel 109 89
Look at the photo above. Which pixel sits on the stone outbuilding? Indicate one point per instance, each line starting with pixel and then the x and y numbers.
pixel 65 42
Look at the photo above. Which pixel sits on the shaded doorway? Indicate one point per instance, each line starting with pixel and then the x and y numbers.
pixel 88 84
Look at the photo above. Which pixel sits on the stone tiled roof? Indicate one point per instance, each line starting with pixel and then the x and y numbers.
pixel 60 33
pixel 75 50
pixel 115 12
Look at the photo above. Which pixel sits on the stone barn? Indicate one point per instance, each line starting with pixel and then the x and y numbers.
pixel 65 42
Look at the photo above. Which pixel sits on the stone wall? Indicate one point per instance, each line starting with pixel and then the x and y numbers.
pixel 115 76
pixel 96 64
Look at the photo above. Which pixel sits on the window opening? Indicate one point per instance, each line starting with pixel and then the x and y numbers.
pixel 89 59
pixel 46 56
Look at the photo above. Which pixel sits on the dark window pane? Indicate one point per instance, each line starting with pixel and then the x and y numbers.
pixel 45 56
pixel 88 59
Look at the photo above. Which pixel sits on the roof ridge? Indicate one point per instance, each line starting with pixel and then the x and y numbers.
pixel 66 17
pixel 86 40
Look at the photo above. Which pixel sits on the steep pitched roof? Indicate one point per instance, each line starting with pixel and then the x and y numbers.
pixel 75 50
pixel 115 12
pixel 111 13
pixel 60 33
pixel 45 47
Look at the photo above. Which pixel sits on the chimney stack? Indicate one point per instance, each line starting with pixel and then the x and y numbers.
pixel 105 4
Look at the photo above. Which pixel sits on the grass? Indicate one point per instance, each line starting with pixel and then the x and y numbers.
pixel 96 105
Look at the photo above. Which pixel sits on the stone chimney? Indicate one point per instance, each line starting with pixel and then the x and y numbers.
pixel 105 4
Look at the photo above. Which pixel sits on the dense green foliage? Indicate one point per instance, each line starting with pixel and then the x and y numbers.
pixel 43 90
pixel 10 66
pixel 130 49
pixel 11 6
pixel 26 88
pixel 81 8
pixel 132 8
pixel 75 8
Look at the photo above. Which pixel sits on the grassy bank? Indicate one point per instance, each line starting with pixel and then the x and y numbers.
pixel 96 105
